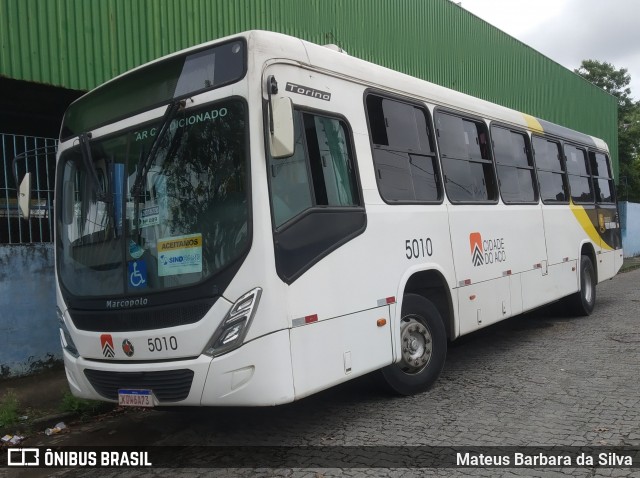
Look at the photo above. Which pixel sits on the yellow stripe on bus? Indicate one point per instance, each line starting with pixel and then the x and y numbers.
pixel 533 124
pixel 587 225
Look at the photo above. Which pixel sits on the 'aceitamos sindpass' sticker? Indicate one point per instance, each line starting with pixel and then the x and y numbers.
pixel 180 255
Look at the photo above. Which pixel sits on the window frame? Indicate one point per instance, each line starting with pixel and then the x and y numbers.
pixel 302 110
pixel 595 179
pixel 565 180
pixel 530 158
pixel 439 183
pixel 588 175
pixel 308 237
pixel 490 161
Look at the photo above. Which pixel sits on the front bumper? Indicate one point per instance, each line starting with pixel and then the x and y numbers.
pixel 257 374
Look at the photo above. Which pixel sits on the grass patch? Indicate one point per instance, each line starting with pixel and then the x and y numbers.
pixel 80 406
pixel 9 409
pixel 630 267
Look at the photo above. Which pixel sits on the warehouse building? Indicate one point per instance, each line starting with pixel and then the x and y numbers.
pixel 53 51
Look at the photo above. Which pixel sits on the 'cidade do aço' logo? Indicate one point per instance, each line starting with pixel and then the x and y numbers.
pixel 486 251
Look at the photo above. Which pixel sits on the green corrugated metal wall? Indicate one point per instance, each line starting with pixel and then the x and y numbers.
pixel 81 43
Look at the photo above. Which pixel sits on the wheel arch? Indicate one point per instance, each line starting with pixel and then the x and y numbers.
pixel 587 249
pixel 431 284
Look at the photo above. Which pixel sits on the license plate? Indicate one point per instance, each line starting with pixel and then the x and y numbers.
pixel 136 398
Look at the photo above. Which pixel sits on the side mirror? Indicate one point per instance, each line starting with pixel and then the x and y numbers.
pixel 281 142
pixel 24 196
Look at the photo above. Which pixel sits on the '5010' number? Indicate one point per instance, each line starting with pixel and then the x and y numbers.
pixel 159 344
pixel 416 248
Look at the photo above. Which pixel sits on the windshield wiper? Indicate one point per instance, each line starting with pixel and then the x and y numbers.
pixel 87 160
pixel 145 163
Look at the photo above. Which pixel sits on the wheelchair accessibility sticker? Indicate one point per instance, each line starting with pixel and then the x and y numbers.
pixel 137 274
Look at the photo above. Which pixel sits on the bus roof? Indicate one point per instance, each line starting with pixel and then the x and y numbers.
pixel 265 45
pixel 332 62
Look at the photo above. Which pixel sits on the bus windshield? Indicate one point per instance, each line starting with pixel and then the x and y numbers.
pixel 184 220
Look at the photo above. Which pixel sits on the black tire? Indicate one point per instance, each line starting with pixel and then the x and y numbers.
pixel 583 302
pixel 424 342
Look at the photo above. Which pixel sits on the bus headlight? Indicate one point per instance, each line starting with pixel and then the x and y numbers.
pixel 233 329
pixel 65 337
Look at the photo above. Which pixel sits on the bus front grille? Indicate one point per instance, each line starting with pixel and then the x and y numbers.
pixel 167 386
pixel 173 315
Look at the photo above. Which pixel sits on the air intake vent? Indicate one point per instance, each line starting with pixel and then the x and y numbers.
pixel 167 386
pixel 141 319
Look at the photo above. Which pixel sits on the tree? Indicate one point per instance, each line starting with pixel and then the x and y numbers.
pixel 616 82
pixel 629 153
pixel 605 76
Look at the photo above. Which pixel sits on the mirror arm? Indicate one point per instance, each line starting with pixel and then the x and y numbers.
pixel 272 89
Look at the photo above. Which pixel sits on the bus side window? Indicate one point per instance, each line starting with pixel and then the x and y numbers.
pixel 290 190
pixel 516 176
pixel 466 162
pixel 579 176
pixel 320 172
pixel 403 151
pixel 551 172
pixel 331 163
pixel 602 181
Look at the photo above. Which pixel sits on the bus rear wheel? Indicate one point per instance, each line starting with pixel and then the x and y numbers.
pixel 583 302
pixel 423 342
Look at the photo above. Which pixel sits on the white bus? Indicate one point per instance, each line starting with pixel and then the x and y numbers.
pixel 259 218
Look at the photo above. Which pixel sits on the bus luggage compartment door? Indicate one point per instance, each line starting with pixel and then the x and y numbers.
pixel 332 351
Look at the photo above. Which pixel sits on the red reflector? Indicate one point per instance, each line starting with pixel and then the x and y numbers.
pixel 311 318
pixel 467 282
pixel 391 300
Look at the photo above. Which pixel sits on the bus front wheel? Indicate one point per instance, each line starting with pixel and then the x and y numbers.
pixel 423 342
